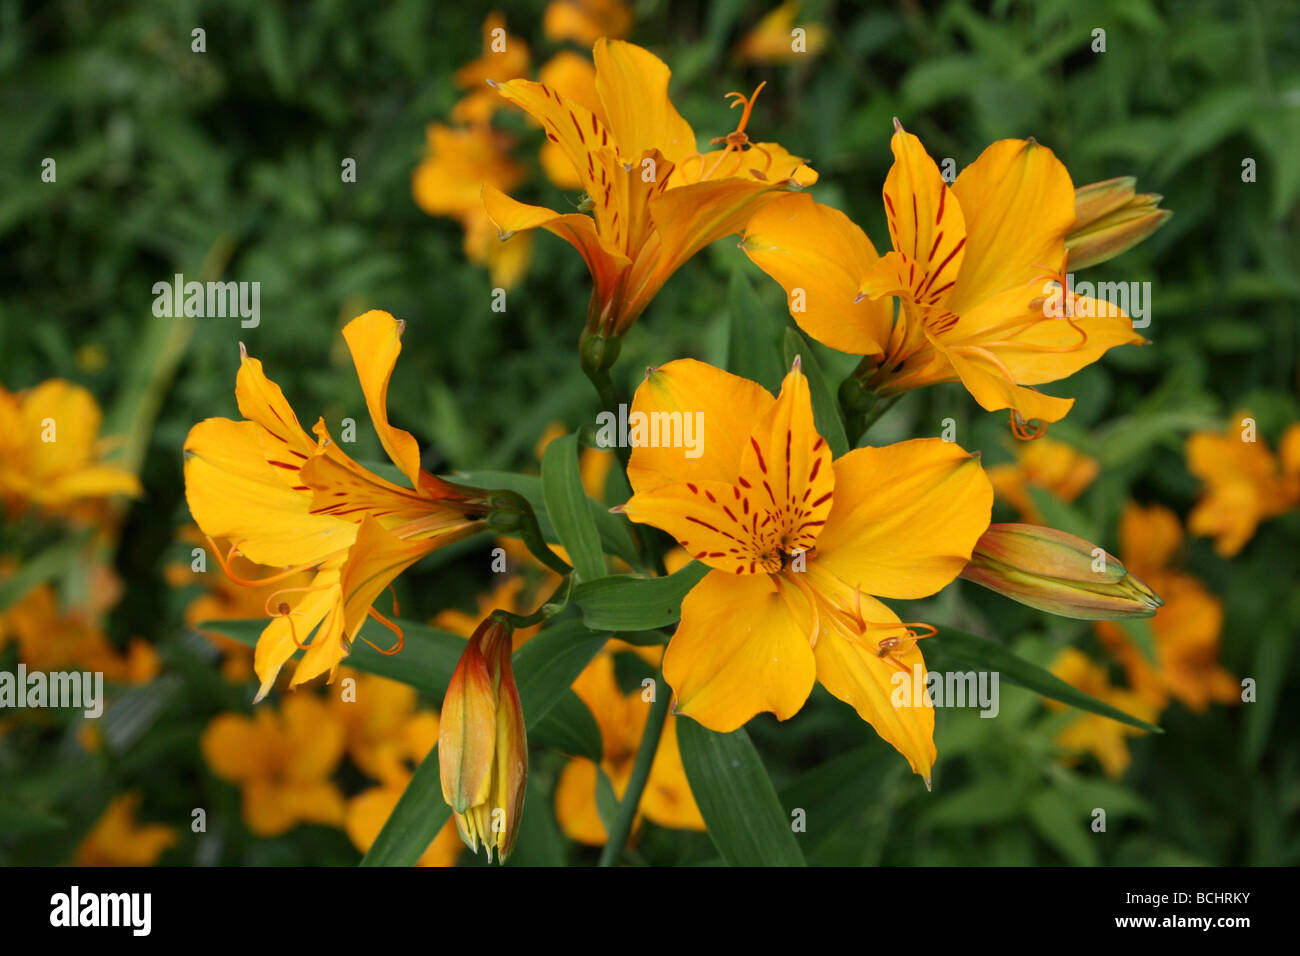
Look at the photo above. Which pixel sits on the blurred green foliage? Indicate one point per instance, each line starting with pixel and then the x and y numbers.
pixel 226 164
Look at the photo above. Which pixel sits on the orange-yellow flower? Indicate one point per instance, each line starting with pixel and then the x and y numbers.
pixel 386 738
pixel 1104 738
pixel 586 21
pixel 449 183
pixel 504 57
pixel 667 799
pixel 972 266
pixel 798 545
pixel 54 639
pixel 288 501
pixel 655 199
pixel 117 840
pixel 1186 630
pixel 1245 483
pixel 282 761
pixel 773 39
pixel 1048 464
pixel 51 455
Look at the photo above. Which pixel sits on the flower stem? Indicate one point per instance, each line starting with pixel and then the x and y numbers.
pixel 645 755
pixel 512 514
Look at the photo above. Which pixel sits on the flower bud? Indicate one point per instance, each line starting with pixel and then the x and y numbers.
pixel 482 747
pixel 1110 218
pixel 1058 573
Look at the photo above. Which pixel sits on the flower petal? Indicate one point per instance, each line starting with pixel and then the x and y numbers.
pixel 739 650
pixel 375 341
pixel 234 493
pixel 906 517
pixel 1018 203
pixel 820 256
pixel 871 685
pixel 724 406
pixel 633 86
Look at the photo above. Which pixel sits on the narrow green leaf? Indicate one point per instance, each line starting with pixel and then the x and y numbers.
pixel 624 602
pixel 566 503
pixel 745 819
pixel 569 728
pixel 1068 832
pixel 754 350
pixel 956 650
pixel 826 410
pixel 47 565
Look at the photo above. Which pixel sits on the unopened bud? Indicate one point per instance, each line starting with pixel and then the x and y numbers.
pixel 1058 573
pixel 1111 217
pixel 482 746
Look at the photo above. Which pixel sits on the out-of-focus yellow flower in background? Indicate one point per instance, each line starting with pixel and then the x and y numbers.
pixel 117 839
pixel 1186 630
pixel 283 761
pixel 1045 463
pixel 621 717
pixel 1244 482
pixel 586 21
pixel 51 638
pixel 773 38
pixel 1102 737
pixel 51 455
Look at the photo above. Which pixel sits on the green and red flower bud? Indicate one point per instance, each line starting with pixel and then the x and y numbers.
pixel 1110 218
pixel 1059 573
pixel 482 746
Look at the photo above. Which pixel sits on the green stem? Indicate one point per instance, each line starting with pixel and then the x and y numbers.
pixel 645 755
pixel 512 514
pixel 558 600
pixel 873 415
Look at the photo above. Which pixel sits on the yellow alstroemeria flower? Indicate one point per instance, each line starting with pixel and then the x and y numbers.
pixel 504 57
pixel 655 199
pixel 667 799
pixel 51 638
pixel 282 761
pixel 1186 630
pixel 51 455
pixel 1245 483
pixel 1048 464
pixel 1104 738
pixel 972 265
pixel 117 840
pixel 798 545
pixel 586 21
pixel 773 39
pixel 291 502
pixel 449 181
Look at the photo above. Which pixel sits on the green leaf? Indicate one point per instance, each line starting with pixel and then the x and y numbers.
pixel 544 668
pixel 1139 632
pixel 1068 833
pixel 49 564
pixel 569 728
pixel 567 504
pixel 745 819
pixel 826 410
pixel 754 350
pixel 950 649
pixel 625 602
pixel 615 534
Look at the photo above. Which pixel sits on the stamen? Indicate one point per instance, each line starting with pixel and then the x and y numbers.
pixel 1022 429
pixel 252 582
pixel 401 639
